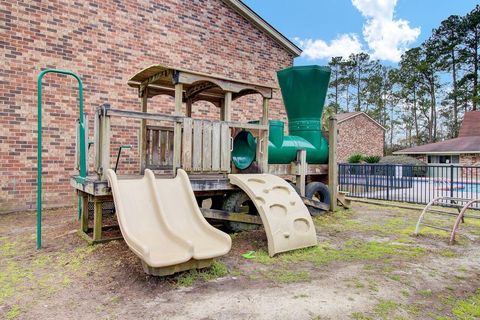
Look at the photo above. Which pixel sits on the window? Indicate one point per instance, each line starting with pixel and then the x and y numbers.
pixel 444 159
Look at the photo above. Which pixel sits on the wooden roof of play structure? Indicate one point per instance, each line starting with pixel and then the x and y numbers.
pixel 161 79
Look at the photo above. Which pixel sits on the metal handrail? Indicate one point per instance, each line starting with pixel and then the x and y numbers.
pixel 83 158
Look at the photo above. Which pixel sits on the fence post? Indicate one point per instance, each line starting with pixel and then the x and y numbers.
pixel 388 181
pixel 451 180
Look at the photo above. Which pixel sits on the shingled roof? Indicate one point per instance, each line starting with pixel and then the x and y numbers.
pixel 468 140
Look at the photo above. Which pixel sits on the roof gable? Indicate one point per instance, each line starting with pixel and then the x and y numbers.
pixel 345 116
pixel 245 11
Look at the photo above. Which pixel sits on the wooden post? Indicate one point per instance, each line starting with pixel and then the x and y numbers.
pixel 227 107
pixel 143 134
pixel 97 221
pixel 189 108
pixel 84 221
pixel 177 131
pixel 262 152
pixel 302 171
pixel 332 163
pixel 105 148
pixel 265 111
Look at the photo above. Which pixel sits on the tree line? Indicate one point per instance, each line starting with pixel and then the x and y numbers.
pixel 423 99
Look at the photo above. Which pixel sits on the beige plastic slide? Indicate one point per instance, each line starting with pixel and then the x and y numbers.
pixel 162 224
pixel 285 217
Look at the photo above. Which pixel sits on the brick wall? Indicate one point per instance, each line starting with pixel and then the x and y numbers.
pixel 359 134
pixel 106 42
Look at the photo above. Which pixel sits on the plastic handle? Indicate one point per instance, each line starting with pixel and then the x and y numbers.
pixel 231 144
pixel 260 145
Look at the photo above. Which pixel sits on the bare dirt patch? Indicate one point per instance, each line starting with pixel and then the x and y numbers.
pixel 367 266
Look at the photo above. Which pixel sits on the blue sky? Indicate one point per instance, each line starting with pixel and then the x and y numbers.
pixel 383 28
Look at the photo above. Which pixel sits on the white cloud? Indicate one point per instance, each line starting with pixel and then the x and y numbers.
pixel 386 37
pixel 343 45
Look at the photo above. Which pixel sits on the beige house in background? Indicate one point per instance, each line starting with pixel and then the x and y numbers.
pixel 359 133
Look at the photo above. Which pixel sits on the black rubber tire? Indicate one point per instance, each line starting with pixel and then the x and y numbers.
pixel 295 187
pixel 317 191
pixel 234 203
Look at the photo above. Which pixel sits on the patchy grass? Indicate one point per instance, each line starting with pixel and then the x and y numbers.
pixel 46 271
pixel 352 250
pixel 188 278
pixel 285 276
pixel 14 312
pixel 469 308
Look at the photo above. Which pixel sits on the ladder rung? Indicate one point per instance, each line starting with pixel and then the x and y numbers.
pixel 436 227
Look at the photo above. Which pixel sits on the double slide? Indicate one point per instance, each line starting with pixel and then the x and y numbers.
pixel 162 223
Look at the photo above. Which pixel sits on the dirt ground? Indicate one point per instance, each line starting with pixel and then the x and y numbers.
pixel 367 266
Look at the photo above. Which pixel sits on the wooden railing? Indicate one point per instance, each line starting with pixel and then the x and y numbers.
pixel 206 146
pixel 159 148
pixel 201 147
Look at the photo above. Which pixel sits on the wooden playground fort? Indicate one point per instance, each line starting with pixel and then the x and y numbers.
pixel 226 162
pixel 200 147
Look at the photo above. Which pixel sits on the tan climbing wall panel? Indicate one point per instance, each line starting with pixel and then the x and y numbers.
pixel 286 219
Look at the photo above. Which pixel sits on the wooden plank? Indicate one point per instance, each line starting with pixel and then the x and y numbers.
pixel 207 146
pixel 170 141
pixel 225 146
pixel 187 144
pixel 148 153
pixel 230 216
pixel 197 145
pixel 216 146
pixel 155 147
pixel 315 204
pixel 163 147
pixel 177 131
pixel 332 163
pixel 144 115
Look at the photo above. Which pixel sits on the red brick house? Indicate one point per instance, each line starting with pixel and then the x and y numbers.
pixel 359 133
pixel 105 43
pixel 463 150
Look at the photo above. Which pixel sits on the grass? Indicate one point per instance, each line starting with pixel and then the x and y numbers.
pixel 285 276
pixel 352 250
pixel 188 278
pixel 469 308
pixel 14 312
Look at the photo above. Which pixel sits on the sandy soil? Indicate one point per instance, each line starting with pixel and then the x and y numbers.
pixel 368 267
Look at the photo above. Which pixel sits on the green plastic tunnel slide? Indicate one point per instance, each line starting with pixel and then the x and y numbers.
pixel 304 89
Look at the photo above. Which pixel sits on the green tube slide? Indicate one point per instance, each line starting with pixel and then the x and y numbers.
pixel 304 89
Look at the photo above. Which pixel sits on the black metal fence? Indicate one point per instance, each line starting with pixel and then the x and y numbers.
pixel 408 183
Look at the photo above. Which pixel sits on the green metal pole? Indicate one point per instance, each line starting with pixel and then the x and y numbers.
pixel 83 157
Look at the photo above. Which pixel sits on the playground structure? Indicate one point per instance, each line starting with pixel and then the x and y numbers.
pixel 435 207
pixel 218 159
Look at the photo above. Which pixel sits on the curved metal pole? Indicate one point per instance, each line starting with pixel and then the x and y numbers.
pixel 83 164
pixel 459 218
pixel 431 203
